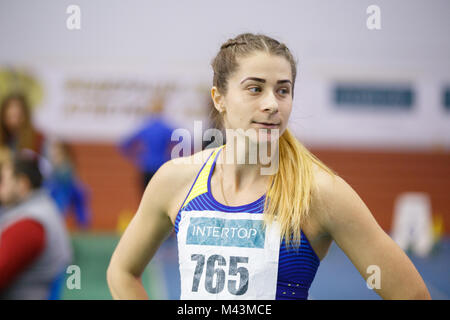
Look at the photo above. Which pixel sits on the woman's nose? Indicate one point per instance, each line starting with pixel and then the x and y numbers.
pixel 270 103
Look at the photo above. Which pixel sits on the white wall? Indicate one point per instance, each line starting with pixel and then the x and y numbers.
pixel 330 38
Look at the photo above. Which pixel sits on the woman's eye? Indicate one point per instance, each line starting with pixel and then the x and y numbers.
pixel 284 91
pixel 254 89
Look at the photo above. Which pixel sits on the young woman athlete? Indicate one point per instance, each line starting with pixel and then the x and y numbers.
pixel 245 234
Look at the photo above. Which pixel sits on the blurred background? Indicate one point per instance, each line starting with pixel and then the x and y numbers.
pixel 105 79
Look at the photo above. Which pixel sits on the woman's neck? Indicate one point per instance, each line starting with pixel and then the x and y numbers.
pixel 245 165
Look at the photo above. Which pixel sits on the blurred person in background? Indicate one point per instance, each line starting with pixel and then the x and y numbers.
pixel 16 128
pixel 64 186
pixel 34 244
pixel 151 145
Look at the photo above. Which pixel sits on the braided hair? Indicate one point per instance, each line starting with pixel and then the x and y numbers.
pixel 226 61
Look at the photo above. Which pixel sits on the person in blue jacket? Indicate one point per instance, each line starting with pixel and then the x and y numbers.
pixel 150 146
pixel 66 189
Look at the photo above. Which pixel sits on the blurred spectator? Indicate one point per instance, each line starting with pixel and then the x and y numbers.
pixel 16 129
pixel 34 244
pixel 64 186
pixel 151 145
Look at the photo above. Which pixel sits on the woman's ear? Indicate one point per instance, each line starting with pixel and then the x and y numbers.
pixel 218 99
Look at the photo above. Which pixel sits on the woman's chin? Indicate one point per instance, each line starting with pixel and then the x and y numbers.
pixel 268 137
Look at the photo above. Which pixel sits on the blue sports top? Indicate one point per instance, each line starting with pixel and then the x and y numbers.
pixel 297 266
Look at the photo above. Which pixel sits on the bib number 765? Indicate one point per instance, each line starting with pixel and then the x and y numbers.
pixel 216 284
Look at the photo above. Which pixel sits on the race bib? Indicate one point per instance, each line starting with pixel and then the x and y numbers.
pixel 225 255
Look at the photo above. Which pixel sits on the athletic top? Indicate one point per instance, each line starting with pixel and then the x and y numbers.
pixel 297 266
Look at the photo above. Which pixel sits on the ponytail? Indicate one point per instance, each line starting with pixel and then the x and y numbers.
pixel 289 197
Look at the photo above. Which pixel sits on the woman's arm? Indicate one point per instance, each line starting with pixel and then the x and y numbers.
pixel 348 221
pixel 142 238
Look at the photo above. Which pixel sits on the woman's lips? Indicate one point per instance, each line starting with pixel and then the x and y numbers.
pixel 266 125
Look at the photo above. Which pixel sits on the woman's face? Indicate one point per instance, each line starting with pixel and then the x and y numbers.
pixel 259 94
pixel 9 185
pixel 14 116
pixel 56 152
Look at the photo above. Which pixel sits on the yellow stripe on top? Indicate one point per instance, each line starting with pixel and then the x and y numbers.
pixel 201 184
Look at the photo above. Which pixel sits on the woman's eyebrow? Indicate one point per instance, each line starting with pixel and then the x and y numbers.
pixel 263 80
pixel 284 81
pixel 254 79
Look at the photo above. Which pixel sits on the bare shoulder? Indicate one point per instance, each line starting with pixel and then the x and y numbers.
pixel 324 185
pixel 177 171
pixel 330 192
pixel 335 203
pixel 176 176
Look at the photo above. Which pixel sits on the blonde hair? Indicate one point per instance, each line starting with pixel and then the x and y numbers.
pixel 289 197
